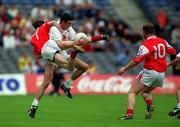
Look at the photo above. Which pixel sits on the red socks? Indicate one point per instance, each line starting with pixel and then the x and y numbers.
pixel 148 102
pixel 130 112
pixel 97 38
pixel 73 54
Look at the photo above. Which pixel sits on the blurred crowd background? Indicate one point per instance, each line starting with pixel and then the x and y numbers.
pixel 92 17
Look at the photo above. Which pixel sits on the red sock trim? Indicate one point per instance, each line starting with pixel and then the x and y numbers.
pixel 148 102
pixel 129 112
pixel 73 54
pixel 96 38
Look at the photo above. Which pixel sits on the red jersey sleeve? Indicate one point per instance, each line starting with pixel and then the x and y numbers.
pixel 141 55
pixel 47 25
pixel 170 49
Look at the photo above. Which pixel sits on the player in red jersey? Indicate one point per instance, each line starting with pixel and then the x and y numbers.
pixel 176 111
pixel 50 44
pixel 153 51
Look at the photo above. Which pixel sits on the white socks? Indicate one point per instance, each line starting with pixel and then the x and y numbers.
pixel 178 105
pixel 35 102
pixel 68 83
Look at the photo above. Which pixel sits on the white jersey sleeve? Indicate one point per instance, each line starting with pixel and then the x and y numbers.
pixel 71 33
pixel 178 55
pixel 55 34
pixel 142 51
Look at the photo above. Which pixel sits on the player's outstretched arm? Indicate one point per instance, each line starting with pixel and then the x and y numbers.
pixel 169 49
pixel 175 61
pixel 65 44
pixel 129 66
pixel 143 52
pixel 70 44
pixel 141 55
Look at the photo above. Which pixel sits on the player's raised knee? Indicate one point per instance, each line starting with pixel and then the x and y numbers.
pixel 86 66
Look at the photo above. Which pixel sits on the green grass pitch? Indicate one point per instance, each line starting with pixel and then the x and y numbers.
pixel 84 111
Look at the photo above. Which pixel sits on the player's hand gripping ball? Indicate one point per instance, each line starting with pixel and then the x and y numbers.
pixel 80 37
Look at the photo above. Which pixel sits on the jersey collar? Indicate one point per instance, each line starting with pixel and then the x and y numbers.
pixel 151 37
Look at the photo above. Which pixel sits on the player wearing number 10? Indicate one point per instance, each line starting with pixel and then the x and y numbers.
pixel 153 51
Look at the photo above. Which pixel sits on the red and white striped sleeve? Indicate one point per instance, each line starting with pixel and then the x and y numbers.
pixel 142 53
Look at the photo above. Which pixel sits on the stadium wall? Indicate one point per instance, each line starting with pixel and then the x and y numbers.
pixel 23 84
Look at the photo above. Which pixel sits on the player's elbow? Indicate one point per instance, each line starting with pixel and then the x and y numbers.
pixel 52 23
pixel 136 61
pixel 174 52
pixel 171 51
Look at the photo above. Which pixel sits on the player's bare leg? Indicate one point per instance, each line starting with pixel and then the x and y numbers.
pixel 67 64
pixel 176 111
pixel 96 38
pixel 79 64
pixel 178 102
pixel 136 88
pixel 147 96
pixel 178 96
pixel 70 64
pixel 48 75
pixel 81 67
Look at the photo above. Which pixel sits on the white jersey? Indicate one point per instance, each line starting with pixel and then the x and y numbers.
pixel 50 47
pixel 70 33
pixel 178 55
pixel 55 34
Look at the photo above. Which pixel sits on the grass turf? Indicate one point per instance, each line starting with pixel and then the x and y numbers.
pixel 84 111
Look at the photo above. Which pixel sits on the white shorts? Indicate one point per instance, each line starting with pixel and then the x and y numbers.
pixel 49 49
pixel 151 78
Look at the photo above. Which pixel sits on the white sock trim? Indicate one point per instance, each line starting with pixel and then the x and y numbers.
pixel 68 83
pixel 35 102
pixel 178 105
pixel 70 80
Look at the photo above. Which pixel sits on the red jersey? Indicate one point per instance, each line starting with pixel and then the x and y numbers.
pixel 153 51
pixel 40 37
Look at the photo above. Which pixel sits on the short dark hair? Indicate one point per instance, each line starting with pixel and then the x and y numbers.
pixel 66 17
pixel 38 23
pixel 148 28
